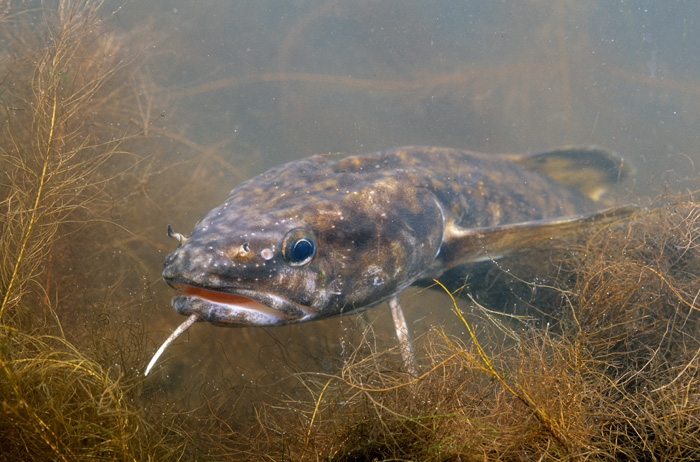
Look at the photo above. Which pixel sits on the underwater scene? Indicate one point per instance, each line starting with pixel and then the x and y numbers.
pixel 124 123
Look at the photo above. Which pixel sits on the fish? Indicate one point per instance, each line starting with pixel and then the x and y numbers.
pixel 321 237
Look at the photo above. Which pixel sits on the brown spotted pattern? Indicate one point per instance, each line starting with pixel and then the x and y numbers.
pixel 378 220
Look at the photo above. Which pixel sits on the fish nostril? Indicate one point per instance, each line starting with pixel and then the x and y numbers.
pixel 181 239
pixel 239 252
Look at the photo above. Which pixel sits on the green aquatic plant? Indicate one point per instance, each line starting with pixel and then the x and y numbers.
pixel 49 152
pixel 59 401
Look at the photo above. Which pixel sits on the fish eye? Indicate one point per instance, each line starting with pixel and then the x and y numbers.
pixel 299 247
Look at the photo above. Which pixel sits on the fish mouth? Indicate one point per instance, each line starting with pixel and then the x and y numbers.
pixel 236 307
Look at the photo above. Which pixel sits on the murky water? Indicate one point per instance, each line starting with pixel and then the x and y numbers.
pixel 224 90
pixel 238 87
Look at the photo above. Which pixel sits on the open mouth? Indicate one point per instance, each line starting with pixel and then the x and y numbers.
pixel 243 308
pixel 232 309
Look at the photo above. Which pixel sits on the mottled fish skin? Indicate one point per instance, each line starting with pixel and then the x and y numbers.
pixel 380 222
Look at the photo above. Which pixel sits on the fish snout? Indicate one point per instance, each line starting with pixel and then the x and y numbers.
pixel 182 264
pixel 172 269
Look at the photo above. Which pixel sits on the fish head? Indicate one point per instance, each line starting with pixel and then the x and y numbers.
pixel 244 275
pixel 274 256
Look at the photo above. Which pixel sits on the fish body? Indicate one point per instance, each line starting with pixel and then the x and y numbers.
pixel 317 237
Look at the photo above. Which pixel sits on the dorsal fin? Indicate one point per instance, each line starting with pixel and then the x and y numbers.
pixel 592 170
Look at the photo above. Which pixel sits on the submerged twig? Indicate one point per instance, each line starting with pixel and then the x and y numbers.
pixel 176 333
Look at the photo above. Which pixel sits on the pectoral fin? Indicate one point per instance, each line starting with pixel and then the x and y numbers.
pixel 471 245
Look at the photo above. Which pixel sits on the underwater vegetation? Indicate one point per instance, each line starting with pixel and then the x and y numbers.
pixel 597 359
pixel 59 86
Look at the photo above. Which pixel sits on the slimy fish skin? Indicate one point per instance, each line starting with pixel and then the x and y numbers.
pixel 318 237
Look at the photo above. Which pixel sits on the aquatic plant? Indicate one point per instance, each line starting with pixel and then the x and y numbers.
pixel 57 401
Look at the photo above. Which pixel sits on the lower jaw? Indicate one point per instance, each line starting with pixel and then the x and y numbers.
pixel 245 312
